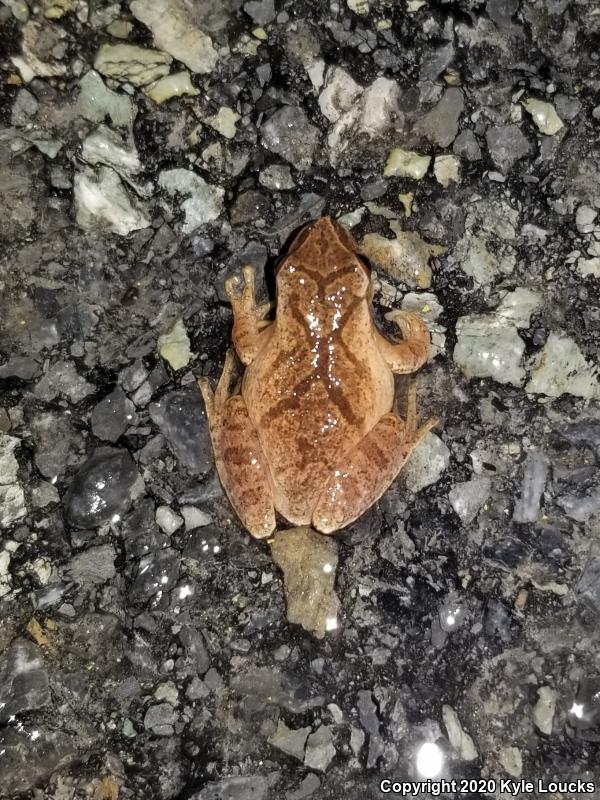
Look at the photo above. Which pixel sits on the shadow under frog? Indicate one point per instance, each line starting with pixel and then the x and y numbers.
pixel 311 433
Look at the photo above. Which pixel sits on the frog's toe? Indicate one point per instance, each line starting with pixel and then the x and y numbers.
pixel 249 274
pixel 409 323
pixel 232 286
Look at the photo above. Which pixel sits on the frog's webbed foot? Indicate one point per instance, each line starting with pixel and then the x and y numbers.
pixel 411 353
pixel 249 322
pixel 239 457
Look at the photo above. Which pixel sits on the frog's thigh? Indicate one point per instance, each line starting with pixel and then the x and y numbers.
pixel 367 472
pixel 243 469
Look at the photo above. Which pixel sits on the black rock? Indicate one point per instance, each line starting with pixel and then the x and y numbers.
pixel 507 145
pixel 101 489
pixel 466 146
pixel 23 679
pixel 28 761
pixel 53 436
pixel 20 367
pixel 249 207
pixel 195 647
pixel 182 419
pixel 112 416
pixel 141 535
pixel 156 575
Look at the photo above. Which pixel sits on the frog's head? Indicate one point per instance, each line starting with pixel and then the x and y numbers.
pixel 326 253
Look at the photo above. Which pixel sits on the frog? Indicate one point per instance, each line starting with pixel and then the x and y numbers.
pixel 309 432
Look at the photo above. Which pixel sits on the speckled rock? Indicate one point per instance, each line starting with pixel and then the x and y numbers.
pixel 27 761
pixel 289 134
pixel 94 565
pixel 308 560
pixel 63 379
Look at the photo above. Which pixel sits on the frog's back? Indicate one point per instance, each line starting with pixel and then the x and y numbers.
pixel 320 383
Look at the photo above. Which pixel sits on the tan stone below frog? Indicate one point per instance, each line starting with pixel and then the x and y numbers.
pixel 311 433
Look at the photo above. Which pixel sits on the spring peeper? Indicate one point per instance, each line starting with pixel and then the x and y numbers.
pixel 311 433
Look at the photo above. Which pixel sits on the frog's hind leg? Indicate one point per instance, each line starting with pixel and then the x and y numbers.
pixel 412 352
pixel 239 457
pixel 369 469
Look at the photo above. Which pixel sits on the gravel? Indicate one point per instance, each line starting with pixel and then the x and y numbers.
pixel 148 151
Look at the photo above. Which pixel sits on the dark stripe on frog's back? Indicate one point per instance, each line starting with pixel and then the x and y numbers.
pixel 297 441
pixel 292 395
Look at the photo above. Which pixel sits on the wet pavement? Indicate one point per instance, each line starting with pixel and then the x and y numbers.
pixel 149 648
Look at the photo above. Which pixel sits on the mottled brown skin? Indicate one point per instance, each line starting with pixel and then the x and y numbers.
pixel 312 434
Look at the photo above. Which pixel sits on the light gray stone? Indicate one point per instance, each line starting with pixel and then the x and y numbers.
pixel 426 464
pixel 561 368
pixel 289 134
pixel 460 741
pixel 487 348
pixel 96 101
pixel 440 125
pixel 320 750
pixel 102 203
pixel 132 63
pixel 204 201
pixel 94 565
pixel 175 31
pixel 289 741
pixel 468 497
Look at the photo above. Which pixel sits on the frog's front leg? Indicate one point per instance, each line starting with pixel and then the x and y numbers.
pixel 239 457
pixel 250 329
pixel 368 469
pixel 412 352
